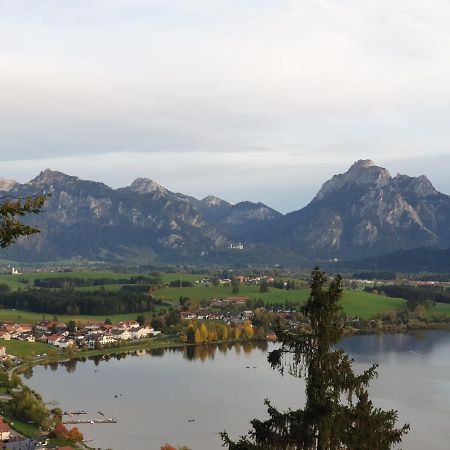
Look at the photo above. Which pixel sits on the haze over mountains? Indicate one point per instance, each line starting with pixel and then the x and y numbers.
pixel 363 212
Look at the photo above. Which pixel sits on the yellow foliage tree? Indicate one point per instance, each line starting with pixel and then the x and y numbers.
pixel 204 333
pixel 225 333
pixel 248 329
pixel 197 336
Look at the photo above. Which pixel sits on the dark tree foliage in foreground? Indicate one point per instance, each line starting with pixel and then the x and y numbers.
pixel 338 413
pixel 11 210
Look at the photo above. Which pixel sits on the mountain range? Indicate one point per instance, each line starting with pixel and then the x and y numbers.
pixel 363 212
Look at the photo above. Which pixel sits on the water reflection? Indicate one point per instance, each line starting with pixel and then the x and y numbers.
pixel 195 353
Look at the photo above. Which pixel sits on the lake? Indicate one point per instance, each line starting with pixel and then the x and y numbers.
pixel 155 395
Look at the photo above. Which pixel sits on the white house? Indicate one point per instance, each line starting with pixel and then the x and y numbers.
pixel 142 332
pixel 124 335
pixel 106 339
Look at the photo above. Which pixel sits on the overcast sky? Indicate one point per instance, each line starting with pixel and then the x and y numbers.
pixel 257 100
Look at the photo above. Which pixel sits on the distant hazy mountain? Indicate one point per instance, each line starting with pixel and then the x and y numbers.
pixel 143 220
pixel 360 213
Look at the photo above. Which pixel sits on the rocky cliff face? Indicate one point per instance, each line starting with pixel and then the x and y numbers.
pixel 366 211
pixel 6 185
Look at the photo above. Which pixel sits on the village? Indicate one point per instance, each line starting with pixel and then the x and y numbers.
pixel 60 335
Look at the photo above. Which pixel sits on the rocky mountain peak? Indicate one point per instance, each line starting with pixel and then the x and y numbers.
pixel 213 201
pixel 6 184
pixel 363 173
pixel 361 164
pixel 420 187
pixel 146 186
pixel 51 177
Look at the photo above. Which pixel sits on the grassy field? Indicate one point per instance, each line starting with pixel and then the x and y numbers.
pixel 440 308
pixel 23 281
pixel 27 279
pixel 355 303
pixel 23 348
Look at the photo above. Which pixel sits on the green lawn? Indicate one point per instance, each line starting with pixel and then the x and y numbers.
pixel 365 305
pixel 200 292
pixel 23 348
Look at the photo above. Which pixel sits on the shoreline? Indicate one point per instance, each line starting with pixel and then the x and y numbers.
pixel 168 343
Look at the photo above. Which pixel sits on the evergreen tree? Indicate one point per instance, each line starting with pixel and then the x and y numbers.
pixel 338 414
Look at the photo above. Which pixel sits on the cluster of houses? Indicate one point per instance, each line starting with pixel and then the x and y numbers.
pixel 228 318
pixel 244 279
pixel 88 335
pixel 94 334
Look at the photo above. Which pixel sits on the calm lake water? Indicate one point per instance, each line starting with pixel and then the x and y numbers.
pixel 153 395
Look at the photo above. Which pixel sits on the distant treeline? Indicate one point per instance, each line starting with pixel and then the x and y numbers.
pixel 280 284
pixel 433 277
pixel 180 283
pixel 68 282
pixel 73 302
pixel 385 275
pixel 414 295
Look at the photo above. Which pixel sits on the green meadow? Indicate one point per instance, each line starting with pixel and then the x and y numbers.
pixel 355 302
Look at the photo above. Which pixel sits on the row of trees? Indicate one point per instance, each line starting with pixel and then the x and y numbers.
pixel 414 295
pixel 205 333
pixel 71 302
pixel 72 282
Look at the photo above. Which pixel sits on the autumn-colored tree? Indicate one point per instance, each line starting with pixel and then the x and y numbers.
pixel 212 336
pixel 197 337
pixel 237 333
pixel 204 333
pixel 224 332
pixel 248 329
pixel 60 431
pixel 75 435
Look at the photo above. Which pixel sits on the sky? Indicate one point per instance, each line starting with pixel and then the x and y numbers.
pixel 259 100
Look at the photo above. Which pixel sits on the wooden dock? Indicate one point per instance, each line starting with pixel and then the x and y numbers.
pixel 88 421
pixel 74 413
